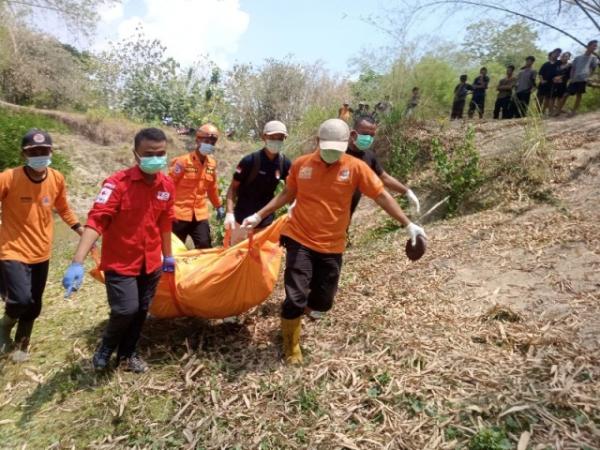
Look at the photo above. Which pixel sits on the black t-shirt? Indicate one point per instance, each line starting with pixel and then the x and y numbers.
pixel 548 70
pixel 254 195
pixel 480 90
pixel 371 160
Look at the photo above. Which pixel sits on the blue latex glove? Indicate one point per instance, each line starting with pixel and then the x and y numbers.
pixel 220 213
pixel 168 264
pixel 73 278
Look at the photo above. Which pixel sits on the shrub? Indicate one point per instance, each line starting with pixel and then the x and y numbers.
pixel 13 125
pixel 458 169
pixel 490 439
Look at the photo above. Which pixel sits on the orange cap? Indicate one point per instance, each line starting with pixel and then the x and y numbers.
pixel 207 130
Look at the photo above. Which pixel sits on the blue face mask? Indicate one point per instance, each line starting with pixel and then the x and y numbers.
pixel 152 164
pixel 364 141
pixel 206 149
pixel 39 163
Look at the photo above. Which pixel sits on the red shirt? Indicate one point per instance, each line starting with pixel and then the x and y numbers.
pixel 131 215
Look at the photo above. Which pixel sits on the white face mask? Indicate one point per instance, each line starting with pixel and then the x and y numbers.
pixel 39 163
pixel 206 149
pixel 274 146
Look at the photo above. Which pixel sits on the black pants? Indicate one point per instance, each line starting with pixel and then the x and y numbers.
pixel 458 107
pixel 502 106
pixel 129 298
pixel 198 230
pixel 520 104
pixel 477 104
pixel 23 286
pixel 311 279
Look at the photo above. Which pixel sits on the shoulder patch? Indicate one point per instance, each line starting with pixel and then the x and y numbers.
pixel 104 193
pixel 163 195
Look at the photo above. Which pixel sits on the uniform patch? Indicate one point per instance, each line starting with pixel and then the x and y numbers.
pixel 38 138
pixel 104 194
pixel 177 169
pixel 305 173
pixel 344 175
pixel 45 201
pixel 163 195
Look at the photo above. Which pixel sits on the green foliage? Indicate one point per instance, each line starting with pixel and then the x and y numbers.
pixel 458 169
pixel 490 439
pixel 494 41
pixel 13 126
pixel 403 156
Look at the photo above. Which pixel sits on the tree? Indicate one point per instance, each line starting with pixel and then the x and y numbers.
pixel 492 41
pixel 78 15
pixel 548 14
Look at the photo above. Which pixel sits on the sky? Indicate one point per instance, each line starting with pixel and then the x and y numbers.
pixel 230 31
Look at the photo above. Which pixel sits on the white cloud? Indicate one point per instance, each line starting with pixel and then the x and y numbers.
pixel 190 28
pixel 110 13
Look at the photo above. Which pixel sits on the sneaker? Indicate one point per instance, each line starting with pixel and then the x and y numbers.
pixel 134 364
pixel 102 357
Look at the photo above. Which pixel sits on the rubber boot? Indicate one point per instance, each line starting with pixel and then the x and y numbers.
pixel 290 331
pixel 6 325
pixel 22 338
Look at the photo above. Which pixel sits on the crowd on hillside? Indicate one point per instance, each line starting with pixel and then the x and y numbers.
pixel 555 81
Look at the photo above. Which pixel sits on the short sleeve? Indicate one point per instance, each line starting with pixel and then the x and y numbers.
pixel 242 171
pixel 369 183
pixel 5 181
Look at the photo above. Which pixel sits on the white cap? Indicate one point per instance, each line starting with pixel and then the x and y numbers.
pixel 275 127
pixel 334 135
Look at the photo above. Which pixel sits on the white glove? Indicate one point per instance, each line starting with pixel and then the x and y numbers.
pixel 413 198
pixel 229 223
pixel 251 222
pixel 415 230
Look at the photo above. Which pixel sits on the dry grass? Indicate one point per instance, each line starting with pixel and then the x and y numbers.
pixel 495 328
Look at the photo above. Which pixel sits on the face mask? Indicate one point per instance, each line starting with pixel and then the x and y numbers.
pixel 206 149
pixel 39 163
pixel 152 164
pixel 331 156
pixel 364 141
pixel 274 146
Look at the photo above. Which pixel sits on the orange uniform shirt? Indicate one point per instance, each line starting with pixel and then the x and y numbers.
pixel 194 183
pixel 323 198
pixel 27 222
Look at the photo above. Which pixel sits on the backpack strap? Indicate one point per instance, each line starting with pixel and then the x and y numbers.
pixel 255 168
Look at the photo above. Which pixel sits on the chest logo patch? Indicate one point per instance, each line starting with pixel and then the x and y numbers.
pixel 163 196
pixel 344 175
pixel 46 201
pixel 104 194
pixel 305 173
pixel 177 169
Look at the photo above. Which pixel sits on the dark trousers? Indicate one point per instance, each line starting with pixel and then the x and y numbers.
pixel 520 104
pixel 198 230
pixel 23 286
pixel 502 106
pixel 129 298
pixel 458 107
pixel 311 279
pixel 477 104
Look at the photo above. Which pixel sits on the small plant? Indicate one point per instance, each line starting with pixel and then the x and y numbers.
pixel 308 401
pixel 458 169
pixel 490 439
pixel 403 156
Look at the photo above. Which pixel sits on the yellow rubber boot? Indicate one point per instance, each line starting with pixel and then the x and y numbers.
pixel 290 331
